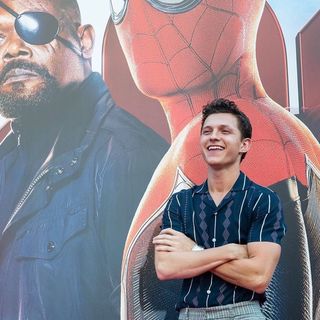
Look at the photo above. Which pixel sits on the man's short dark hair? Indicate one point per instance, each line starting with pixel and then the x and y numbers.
pixel 71 15
pixel 227 106
pixel 70 9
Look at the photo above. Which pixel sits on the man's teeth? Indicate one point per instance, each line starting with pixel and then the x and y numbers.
pixel 215 148
pixel 18 72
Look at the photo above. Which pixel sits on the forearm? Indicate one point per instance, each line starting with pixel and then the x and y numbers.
pixel 182 265
pixel 243 273
pixel 254 272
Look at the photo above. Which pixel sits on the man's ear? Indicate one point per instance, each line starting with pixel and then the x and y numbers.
pixel 87 36
pixel 245 145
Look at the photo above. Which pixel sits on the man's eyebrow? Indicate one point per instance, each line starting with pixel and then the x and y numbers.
pixel 206 127
pixel 223 126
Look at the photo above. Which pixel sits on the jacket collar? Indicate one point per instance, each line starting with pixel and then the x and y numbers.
pixel 76 136
pixel 82 119
pixel 72 142
pixel 79 115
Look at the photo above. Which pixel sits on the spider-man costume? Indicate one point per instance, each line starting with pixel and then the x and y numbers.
pixel 185 53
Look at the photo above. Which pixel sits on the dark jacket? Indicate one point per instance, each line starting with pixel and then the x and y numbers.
pixel 61 249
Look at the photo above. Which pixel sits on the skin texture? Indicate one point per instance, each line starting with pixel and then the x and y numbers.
pixel 174 258
pixel 249 266
pixel 221 141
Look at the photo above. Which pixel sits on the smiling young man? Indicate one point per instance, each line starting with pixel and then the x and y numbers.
pixel 222 237
pixel 72 169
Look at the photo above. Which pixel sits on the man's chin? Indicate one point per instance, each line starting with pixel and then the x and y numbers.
pixel 23 103
pixel 23 94
pixel 19 108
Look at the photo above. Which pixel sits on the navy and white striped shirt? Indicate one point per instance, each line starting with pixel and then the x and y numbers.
pixel 248 213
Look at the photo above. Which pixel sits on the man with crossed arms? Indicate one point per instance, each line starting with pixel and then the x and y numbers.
pixel 222 237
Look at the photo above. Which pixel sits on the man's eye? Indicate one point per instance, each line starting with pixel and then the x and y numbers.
pixel 206 132
pixel 2 38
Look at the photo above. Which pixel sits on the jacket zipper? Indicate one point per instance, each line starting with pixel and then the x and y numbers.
pixel 29 190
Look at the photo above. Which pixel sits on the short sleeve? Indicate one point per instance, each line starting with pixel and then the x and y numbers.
pixel 268 221
pixel 172 214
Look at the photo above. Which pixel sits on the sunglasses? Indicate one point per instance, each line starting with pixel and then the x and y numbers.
pixel 38 28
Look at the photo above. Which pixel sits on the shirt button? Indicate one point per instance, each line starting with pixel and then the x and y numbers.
pixel 215 213
pixel 51 246
pixel 214 239
pixel 60 171
pixel 208 291
pixel 73 162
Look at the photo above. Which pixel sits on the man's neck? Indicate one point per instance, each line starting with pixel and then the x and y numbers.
pixel 220 181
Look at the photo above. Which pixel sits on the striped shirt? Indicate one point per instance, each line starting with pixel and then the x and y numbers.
pixel 248 213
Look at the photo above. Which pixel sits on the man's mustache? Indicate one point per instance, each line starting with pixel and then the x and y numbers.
pixel 26 65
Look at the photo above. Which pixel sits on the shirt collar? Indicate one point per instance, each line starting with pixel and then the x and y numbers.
pixel 241 184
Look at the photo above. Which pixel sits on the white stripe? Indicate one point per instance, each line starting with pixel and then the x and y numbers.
pixel 239 222
pixel 264 220
pixel 215 230
pixel 194 227
pixel 185 297
pixel 252 296
pixel 169 216
pixel 234 294
pixel 257 201
pixel 201 188
pixel 209 289
pixel 284 230
pixel 178 201
pixel 244 182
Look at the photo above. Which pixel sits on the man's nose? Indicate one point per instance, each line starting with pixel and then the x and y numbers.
pixel 16 48
pixel 214 135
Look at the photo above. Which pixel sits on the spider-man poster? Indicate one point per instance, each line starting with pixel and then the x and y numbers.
pixel 186 53
pixel 161 60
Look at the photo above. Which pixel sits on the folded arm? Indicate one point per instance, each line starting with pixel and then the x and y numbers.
pixel 254 272
pixel 174 258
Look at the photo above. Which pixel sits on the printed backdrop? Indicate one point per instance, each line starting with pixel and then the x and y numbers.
pixel 180 60
pixel 163 64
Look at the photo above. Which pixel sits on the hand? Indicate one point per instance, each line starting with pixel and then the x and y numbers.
pixel 172 241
